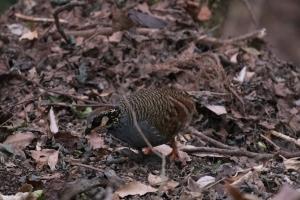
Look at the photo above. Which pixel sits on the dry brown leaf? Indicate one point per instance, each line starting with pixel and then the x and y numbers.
pixel 17 196
pixel 164 183
pixel 30 35
pixel 292 163
pixel 116 37
pixel 281 90
pixel 95 141
pixel 134 188
pixel 45 156
pixel 20 140
pixel 204 13
pixel 219 110
pixel 205 180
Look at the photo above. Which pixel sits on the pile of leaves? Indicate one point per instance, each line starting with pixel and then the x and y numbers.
pixel 60 61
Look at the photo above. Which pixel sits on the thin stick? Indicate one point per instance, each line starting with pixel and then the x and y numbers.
pixel 229 152
pixel 254 34
pixel 56 19
pixel 77 105
pixel 208 139
pixel 286 137
pixel 270 141
pixel 86 166
pixel 38 19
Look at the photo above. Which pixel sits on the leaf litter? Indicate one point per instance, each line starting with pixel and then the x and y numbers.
pixel 253 108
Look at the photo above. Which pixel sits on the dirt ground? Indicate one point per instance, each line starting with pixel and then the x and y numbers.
pixel 52 75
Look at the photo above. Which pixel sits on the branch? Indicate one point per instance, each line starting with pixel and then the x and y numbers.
pixel 229 152
pixel 208 139
pixel 56 19
pixel 215 41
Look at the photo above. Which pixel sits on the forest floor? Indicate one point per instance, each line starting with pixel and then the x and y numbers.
pixel 244 138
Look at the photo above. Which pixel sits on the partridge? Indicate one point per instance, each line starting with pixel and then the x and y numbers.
pixel 159 113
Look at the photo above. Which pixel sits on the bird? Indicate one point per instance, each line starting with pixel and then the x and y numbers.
pixel 160 114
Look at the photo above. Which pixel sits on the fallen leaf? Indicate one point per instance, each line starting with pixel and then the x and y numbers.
pixel 95 141
pixel 18 29
pixel 30 35
pixel 116 37
pixel 287 191
pixel 205 180
pixel 53 123
pixel 193 186
pixel 241 77
pixel 146 20
pixel 52 160
pixel 17 196
pixel 45 156
pixel 163 149
pixel 164 183
pixel 19 141
pixel 135 188
pixel 297 102
pixel 292 163
pixel 233 58
pixel 281 90
pixel 204 13
pixel 219 110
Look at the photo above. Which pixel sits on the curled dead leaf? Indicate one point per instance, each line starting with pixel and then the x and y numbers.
pixel 95 141
pixel 53 123
pixel 219 110
pixel 45 156
pixel 135 188
pixel 164 183
pixel 30 35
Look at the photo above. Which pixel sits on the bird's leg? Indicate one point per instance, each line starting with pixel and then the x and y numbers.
pixel 174 155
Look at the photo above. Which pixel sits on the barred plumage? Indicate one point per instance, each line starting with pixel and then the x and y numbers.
pixel 160 113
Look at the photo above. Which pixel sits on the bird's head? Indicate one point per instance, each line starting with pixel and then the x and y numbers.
pixel 102 119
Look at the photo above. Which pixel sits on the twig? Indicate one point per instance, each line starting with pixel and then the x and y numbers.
pixel 229 152
pixel 215 41
pixel 86 166
pixel 163 158
pixel 108 31
pixel 77 105
pixel 285 137
pixel 38 19
pixel 271 142
pixel 208 139
pixel 56 19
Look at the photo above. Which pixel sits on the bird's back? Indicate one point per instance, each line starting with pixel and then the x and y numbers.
pixel 160 113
